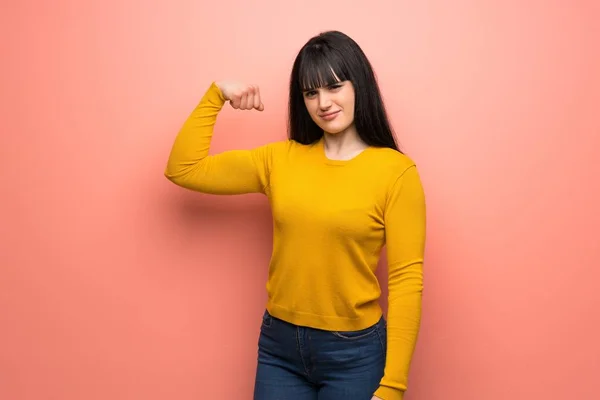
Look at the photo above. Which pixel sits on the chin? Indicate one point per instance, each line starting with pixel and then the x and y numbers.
pixel 334 127
pixel 334 130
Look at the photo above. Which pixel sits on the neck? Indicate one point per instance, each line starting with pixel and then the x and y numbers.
pixel 343 145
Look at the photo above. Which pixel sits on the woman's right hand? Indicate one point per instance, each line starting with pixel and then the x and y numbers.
pixel 240 95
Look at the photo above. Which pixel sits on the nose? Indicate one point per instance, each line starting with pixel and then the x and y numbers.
pixel 324 100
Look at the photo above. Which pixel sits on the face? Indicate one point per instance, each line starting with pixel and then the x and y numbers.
pixel 332 107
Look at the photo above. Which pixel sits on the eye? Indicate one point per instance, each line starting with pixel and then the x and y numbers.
pixel 310 93
pixel 335 86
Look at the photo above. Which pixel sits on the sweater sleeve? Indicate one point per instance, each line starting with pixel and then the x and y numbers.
pixel 404 218
pixel 229 172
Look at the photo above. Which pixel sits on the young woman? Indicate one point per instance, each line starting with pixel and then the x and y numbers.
pixel 339 189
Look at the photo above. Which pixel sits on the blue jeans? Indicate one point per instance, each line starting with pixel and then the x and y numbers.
pixel 299 363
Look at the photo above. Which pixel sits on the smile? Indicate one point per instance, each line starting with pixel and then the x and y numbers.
pixel 330 116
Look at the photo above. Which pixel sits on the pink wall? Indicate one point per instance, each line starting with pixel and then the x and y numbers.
pixel 115 284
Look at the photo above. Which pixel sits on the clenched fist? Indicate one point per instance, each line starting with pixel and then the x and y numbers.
pixel 240 95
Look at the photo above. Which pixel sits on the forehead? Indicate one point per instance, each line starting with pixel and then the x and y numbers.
pixel 314 79
pixel 320 70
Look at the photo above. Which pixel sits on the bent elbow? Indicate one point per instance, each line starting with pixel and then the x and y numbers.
pixel 174 175
pixel 169 176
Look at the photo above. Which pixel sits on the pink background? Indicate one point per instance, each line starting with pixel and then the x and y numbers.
pixel 115 284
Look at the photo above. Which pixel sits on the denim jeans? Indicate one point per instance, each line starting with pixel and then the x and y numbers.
pixel 299 363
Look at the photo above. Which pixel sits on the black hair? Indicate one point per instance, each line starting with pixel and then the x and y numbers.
pixel 328 58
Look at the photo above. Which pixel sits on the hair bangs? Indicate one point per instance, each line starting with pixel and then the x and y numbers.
pixel 321 67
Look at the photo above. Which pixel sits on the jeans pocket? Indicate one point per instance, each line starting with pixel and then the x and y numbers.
pixel 359 334
pixel 267 320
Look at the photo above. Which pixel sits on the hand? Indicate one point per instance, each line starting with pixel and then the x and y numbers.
pixel 375 398
pixel 240 95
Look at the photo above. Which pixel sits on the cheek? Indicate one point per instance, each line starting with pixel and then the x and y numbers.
pixel 311 108
pixel 347 102
pixel 350 101
pixel 351 108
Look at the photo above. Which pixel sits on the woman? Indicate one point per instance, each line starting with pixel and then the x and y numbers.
pixel 339 190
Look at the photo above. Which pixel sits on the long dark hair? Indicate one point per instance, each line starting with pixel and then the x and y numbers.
pixel 331 57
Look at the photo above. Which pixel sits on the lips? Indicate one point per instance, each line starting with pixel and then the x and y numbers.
pixel 329 116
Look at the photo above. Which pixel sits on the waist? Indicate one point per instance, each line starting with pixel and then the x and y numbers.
pixel 320 315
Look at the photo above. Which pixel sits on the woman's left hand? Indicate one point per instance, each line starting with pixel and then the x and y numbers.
pixel 375 398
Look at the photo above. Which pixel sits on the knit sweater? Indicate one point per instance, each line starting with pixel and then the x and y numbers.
pixel 331 220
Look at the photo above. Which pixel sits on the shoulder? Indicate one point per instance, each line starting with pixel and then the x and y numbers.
pixel 274 147
pixel 399 173
pixel 282 151
pixel 391 162
pixel 280 148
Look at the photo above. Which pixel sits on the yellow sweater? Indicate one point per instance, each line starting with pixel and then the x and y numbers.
pixel 331 219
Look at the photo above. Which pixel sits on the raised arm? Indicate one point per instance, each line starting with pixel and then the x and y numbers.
pixel 229 172
pixel 405 243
